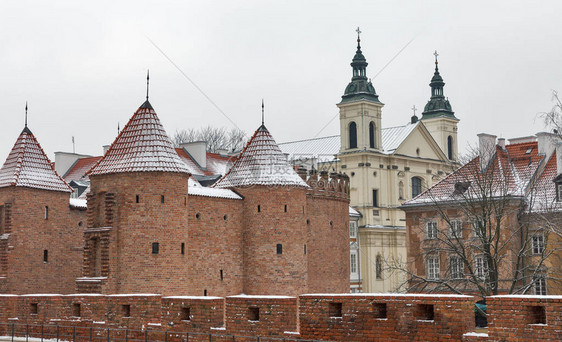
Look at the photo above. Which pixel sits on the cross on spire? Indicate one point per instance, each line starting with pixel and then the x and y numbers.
pixel 436 55
pixel 358 33
pixel 147 82
pixel 26 114
pixel 414 109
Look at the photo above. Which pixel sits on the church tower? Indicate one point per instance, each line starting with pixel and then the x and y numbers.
pixel 439 118
pixel 360 109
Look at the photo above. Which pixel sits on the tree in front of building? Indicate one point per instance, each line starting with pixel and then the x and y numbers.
pixel 217 138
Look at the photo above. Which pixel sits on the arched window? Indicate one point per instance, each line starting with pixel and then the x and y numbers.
pixel 416 186
pixel 378 267
pixel 372 134
pixel 352 135
pixel 450 147
pixel 401 190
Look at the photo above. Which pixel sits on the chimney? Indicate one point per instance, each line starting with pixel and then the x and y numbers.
pixel 501 143
pixel 547 143
pixel 105 148
pixel 558 158
pixel 486 149
pixel 198 151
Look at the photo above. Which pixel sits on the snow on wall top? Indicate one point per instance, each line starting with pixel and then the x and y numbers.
pixel 142 146
pixel 27 165
pixel 261 163
pixel 195 189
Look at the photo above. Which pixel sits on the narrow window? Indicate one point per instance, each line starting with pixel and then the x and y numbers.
pixel 450 147
pixel 416 186
pixel 137 198
pixel 46 212
pixel 253 314
pixel 353 263
pixel 456 229
pixel 279 248
pixel 45 255
pixel 161 198
pixel 34 308
pixel 378 267
pixel 352 229
pixel 76 310
pixel 372 134
pixel 221 275
pixel 480 267
pixel 185 314
pixel 285 208
pixel 304 249
pixel 205 292
pixel 259 208
pixel 432 267
pixel 401 190
pixel 431 230
pixel 457 267
pixel 335 310
pixel 2 219
pixel 126 310
pixel 379 309
pixel 352 135
pixel 155 248
pixel 540 286
pixel 184 201
pixel 183 248
pixel 375 198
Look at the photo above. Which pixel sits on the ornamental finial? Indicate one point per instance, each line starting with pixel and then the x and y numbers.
pixel 262 112
pixel 147 82
pixel 358 37
pixel 25 114
pixel 436 55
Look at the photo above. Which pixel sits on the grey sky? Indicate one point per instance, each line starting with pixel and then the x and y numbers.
pixel 82 67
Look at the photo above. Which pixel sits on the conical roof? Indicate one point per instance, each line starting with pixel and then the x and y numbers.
pixel 27 165
pixel 142 146
pixel 261 162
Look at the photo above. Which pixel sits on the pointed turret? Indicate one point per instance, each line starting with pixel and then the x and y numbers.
pixel 261 162
pixel 360 88
pixel 27 165
pixel 142 146
pixel 438 105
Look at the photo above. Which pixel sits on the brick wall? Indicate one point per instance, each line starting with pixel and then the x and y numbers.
pixel 28 234
pixel 338 317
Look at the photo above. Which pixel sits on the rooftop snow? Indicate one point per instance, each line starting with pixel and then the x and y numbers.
pixel 324 149
pixel 261 163
pixel 28 166
pixel 142 146
pixel 78 203
pixel 195 189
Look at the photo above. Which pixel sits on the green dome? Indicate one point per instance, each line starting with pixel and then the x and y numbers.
pixel 360 88
pixel 437 105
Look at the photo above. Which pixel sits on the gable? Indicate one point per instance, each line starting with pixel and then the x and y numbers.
pixel 422 139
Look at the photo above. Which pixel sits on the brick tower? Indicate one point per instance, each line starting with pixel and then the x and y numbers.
pixel 39 232
pixel 137 214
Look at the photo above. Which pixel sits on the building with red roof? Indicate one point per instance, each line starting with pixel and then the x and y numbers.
pixel 493 225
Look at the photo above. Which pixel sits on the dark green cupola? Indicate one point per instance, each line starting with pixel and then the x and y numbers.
pixel 437 105
pixel 360 88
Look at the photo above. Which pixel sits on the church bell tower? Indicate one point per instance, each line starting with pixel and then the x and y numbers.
pixel 360 109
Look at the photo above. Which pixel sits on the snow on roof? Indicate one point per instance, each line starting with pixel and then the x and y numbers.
pixel 517 171
pixel 528 297
pixel 353 212
pixel 324 149
pixel 141 146
pixel 195 189
pixel 81 166
pixel 27 165
pixel 78 203
pixel 216 164
pixel 261 163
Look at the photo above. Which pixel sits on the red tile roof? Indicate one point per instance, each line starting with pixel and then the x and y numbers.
pixel 141 146
pixel 27 165
pixel 216 164
pixel 261 162
pixel 516 171
pixel 79 169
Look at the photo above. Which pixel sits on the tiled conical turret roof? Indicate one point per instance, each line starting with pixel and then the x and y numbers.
pixel 27 165
pixel 142 146
pixel 261 163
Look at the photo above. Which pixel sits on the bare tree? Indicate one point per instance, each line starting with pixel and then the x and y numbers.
pixel 483 230
pixel 553 118
pixel 215 137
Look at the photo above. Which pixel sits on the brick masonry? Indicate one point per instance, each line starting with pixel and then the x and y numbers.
pixel 343 317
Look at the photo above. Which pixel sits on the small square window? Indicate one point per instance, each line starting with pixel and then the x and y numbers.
pixel 76 310
pixel 424 312
pixel 185 314
pixel 253 313
pixel 155 248
pixel 536 315
pixel 34 308
pixel 379 310
pixel 335 310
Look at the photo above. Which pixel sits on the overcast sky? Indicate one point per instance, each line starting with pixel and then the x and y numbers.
pixel 82 66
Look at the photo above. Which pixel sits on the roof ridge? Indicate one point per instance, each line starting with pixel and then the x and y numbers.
pixel 309 139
